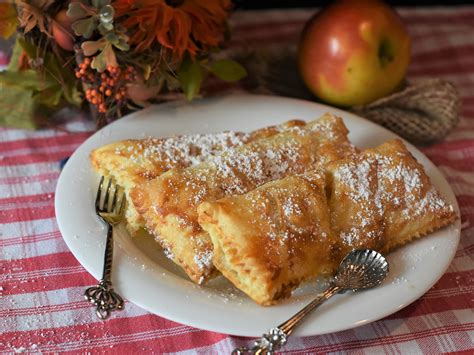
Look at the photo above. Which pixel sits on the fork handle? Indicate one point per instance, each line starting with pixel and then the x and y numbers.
pixel 108 255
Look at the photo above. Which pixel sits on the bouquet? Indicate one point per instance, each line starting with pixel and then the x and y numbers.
pixel 111 56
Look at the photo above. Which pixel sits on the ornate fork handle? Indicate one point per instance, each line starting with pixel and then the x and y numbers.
pixel 103 295
pixel 277 337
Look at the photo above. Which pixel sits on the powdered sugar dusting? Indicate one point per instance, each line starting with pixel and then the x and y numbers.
pixel 203 259
pixel 385 182
pixel 431 202
pixel 183 150
pixel 290 207
pixel 242 169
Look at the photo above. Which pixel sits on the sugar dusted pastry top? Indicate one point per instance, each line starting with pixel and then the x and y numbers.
pixel 236 171
pixel 169 203
pixel 131 162
pixel 138 159
pixel 382 199
pixel 270 239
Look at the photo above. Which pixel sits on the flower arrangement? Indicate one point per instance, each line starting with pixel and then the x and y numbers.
pixel 114 55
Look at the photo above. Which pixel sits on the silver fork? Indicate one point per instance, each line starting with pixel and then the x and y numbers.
pixel 110 211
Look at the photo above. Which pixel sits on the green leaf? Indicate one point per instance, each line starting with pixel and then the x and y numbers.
pixel 111 37
pixel 73 95
pixel 100 3
pixel 76 11
pixel 17 106
pixel 228 70
pixel 190 77
pixel 122 45
pixel 27 79
pixel 146 71
pixel 54 74
pixel 50 97
pixel 105 28
pixel 85 27
pixel 14 64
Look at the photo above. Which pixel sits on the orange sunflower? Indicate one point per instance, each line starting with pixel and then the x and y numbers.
pixel 180 25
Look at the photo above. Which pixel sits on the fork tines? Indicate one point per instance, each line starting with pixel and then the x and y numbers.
pixel 113 200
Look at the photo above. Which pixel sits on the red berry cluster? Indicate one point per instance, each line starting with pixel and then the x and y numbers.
pixel 107 89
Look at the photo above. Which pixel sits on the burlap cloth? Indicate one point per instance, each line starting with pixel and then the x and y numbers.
pixel 422 112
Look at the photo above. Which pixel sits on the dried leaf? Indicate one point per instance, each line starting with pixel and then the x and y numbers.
pixel 76 11
pixel 32 14
pixel 8 20
pixel 105 58
pixel 85 27
pixel 91 47
pixel 98 62
pixel 110 58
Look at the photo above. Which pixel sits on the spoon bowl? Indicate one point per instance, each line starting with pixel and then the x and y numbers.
pixel 361 269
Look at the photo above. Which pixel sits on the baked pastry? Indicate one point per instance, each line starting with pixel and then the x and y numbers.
pixel 382 199
pixel 169 202
pixel 270 239
pixel 133 161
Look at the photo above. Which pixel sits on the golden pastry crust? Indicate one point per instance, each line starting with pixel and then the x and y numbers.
pixel 379 199
pixel 382 199
pixel 269 240
pixel 178 192
pixel 132 162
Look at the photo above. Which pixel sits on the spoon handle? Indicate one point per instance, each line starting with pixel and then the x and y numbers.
pixel 277 337
pixel 288 326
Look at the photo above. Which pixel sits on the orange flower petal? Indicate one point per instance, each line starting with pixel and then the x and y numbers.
pixel 186 28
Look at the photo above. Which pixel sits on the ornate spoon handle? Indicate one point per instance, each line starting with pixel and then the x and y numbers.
pixel 277 337
pixel 103 295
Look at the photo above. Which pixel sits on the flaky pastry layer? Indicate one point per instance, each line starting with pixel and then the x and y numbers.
pixel 269 240
pixel 131 162
pixel 178 192
pixel 382 199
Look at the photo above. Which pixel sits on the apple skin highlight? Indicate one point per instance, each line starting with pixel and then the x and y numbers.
pixel 354 52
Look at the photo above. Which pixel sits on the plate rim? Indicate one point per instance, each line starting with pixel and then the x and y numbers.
pixel 172 316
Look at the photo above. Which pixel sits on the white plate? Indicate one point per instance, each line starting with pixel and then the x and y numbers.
pixel 146 278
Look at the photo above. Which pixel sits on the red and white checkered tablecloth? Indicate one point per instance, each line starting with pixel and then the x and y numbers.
pixel 41 283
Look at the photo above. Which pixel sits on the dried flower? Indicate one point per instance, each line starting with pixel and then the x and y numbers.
pixel 33 14
pixel 180 25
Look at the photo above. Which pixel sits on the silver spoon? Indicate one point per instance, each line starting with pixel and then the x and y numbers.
pixel 360 269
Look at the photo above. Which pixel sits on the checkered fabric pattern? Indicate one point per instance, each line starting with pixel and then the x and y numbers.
pixel 41 283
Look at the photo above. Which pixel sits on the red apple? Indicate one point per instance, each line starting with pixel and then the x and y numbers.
pixel 62 32
pixel 354 52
